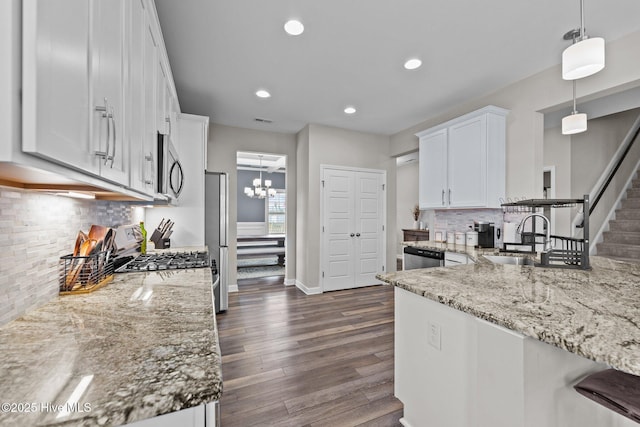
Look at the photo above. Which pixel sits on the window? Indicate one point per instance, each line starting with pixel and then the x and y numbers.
pixel 276 212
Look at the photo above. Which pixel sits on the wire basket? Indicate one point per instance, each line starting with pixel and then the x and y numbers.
pixel 82 274
pixel 568 252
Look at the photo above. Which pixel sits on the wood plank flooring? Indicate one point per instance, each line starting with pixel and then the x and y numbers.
pixel 289 359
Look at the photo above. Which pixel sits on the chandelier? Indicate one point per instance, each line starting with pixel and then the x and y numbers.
pixel 260 190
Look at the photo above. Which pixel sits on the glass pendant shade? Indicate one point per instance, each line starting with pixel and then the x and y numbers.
pixel 574 123
pixel 583 58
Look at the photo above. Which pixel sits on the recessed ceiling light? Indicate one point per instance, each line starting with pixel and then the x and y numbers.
pixel 412 64
pixel 263 94
pixel 294 27
pixel 350 110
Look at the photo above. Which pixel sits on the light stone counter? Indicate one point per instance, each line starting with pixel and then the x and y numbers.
pixel 595 314
pixel 147 342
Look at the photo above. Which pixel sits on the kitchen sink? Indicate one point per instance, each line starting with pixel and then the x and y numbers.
pixel 512 260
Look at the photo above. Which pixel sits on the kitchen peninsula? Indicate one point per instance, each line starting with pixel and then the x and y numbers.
pixel 144 345
pixel 502 345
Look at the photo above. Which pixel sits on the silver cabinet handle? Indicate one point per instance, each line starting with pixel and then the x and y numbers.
pixel 149 159
pixel 443 197
pixel 113 120
pixel 449 196
pixel 105 114
pixel 168 120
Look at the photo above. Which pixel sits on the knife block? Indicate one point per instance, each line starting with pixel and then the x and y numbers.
pixel 159 242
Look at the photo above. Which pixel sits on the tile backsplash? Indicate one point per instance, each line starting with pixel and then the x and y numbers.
pixel 36 229
pixel 461 219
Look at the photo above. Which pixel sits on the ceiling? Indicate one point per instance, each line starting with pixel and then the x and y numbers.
pixel 352 53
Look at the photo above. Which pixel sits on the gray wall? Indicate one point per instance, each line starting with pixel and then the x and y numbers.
pixel 591 151
pixel 253 210
pixel 36 229
pixel 223 146
pixel 323 145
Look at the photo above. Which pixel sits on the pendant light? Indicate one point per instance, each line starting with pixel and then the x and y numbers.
pixel 574 122
pixel 260 190
pixel 585 56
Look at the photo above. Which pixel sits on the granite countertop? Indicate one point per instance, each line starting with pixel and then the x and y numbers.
pixel 591 313
pixel 147 342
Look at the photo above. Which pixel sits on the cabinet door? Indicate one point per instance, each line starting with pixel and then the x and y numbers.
pixel 467 163
pixel 56 82
pixel 140 147
pixel 161 91
pixel 150 129
pixel 368 217
pixel 135 93
pixel 107 58
pixel 433 171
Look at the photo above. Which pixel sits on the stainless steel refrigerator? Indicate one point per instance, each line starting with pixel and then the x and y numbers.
pixel 216 231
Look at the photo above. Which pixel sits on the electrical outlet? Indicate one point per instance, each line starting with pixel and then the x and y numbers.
pixel 434 335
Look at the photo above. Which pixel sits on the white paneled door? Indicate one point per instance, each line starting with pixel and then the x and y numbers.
pixel 353 235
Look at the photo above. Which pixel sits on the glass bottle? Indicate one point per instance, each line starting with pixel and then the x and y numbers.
pixel 143 244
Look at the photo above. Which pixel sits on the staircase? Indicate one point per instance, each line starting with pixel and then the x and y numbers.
pixel 622 241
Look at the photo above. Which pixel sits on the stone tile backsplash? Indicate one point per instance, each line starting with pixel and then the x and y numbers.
pixel 36 229
pixel 461 219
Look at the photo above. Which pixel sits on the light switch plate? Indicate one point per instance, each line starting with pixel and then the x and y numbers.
pixel 434 335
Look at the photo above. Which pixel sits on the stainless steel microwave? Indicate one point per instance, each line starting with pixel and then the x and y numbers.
pixel 170 174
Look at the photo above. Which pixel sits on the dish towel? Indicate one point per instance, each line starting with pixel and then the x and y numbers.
pixel 615 390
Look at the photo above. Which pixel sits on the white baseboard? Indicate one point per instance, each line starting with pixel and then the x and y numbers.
pixel 233 288
pixel 306 290
pixel 404 422
pixel 289 282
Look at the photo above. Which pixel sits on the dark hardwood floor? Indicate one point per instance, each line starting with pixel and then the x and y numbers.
pixel 289 359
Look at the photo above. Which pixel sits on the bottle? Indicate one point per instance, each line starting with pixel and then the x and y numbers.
pixel 143 244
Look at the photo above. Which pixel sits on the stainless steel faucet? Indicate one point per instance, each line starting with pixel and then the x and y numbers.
pixel 547 241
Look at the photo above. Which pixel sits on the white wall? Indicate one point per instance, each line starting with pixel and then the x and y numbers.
pixel 339 147
pixel 188 216
pixel 224 143
pixel 527 100
pixel 406 199
pixel 557 154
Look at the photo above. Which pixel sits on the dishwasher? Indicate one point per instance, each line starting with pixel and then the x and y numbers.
pixel 422 258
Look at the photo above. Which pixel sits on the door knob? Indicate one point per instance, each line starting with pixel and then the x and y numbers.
pixel 357 234
pixel 351 234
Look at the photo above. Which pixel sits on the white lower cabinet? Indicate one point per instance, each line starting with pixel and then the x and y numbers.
pixel 353 218
pixel 455 370
pixel 206 415
pixel 462 161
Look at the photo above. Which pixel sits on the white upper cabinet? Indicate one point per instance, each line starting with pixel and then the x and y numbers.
pixel 462 162
pixel 143 57
pixel 56 81
pixel 433 170
pixel 97 89
pixel 107 83
pixel 73 85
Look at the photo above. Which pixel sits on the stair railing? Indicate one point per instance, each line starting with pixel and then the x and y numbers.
pixel 607 176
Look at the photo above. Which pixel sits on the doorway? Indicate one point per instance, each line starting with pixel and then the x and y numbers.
pixel 261 215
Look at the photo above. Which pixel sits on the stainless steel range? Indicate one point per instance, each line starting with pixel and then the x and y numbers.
pixel 166 261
